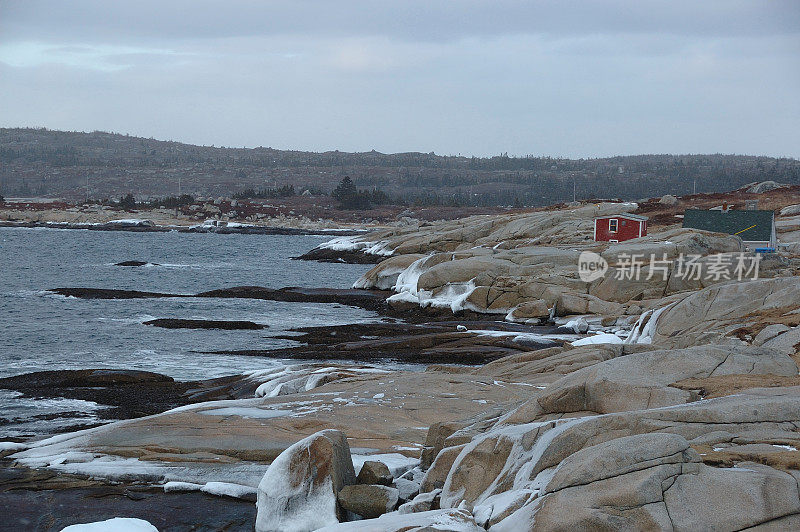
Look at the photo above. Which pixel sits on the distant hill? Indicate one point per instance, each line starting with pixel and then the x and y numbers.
pixel 40 162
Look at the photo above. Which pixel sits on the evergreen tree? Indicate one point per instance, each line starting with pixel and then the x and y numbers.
pixel 128 201
pixel 346 190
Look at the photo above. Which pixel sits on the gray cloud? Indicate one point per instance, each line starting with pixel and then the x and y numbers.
pixel 561 78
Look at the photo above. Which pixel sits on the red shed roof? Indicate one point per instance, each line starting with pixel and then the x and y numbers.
pixel 637 217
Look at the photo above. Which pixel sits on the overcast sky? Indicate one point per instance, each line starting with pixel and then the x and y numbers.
pixel 564 78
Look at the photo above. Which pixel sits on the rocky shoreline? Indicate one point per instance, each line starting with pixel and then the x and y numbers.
pixel 143 226
pixel 679 411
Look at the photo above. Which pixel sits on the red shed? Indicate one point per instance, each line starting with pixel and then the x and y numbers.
pixel 619 227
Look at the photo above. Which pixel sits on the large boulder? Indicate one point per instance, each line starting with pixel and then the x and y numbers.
pixel 299 490
pixel 422 502
pixel 373 472
pixel 790 210
pixel 787 342
pixel 529 310
pixel 408 489
pixel 711 314
pixel 655 481
pixel 764 186
pixel 769 332
pixel 668 199
pixel 572 303
pixel 642 380
pixel 435 440
pixel 436 475
pixel 508 458
pixel 368 501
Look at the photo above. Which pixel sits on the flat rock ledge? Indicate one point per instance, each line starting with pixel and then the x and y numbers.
pixel 176 323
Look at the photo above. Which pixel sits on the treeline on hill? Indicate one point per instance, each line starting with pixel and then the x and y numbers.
pixel 128 201
pixel 286 191
pixel 346 193
pixel 99 164
pixel 350 197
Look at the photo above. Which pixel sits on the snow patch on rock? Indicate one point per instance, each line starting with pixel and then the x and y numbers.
pixel 396 462
pixel 602 338
pixel 355 243
pixel 117 524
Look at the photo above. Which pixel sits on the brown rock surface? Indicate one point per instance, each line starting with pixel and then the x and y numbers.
pixel 300 488
pixel 368 501
pixel 373 472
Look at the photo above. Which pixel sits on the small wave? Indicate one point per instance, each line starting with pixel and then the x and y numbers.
pixel 26 293
pixel 48 293
pixel 138 320
pixel 180 266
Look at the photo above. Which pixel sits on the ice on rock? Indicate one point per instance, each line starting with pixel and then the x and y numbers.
pixel 403 297
pixel 297 378
pixel 408 489
pixel 385 281
pixel 408 278
pixel 645 327
pixel 354 243
pixel 117 524
pixel 11 446
pixel 248 412
pixel 229 489
pixel 579 325
pixel 500 505
pixel 602 338
pixel 452 520
pixel 181 486
pixel 453 295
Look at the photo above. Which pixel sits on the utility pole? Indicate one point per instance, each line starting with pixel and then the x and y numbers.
pixel 694 186
pixel 87 189
pixel 177 207
pixel 573 190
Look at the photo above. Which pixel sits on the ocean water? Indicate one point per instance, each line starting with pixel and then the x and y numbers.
pixel 41 331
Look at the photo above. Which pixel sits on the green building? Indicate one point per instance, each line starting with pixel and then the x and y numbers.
pixel 756 228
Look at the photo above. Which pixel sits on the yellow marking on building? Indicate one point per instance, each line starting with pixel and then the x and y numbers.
pixel 743 230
